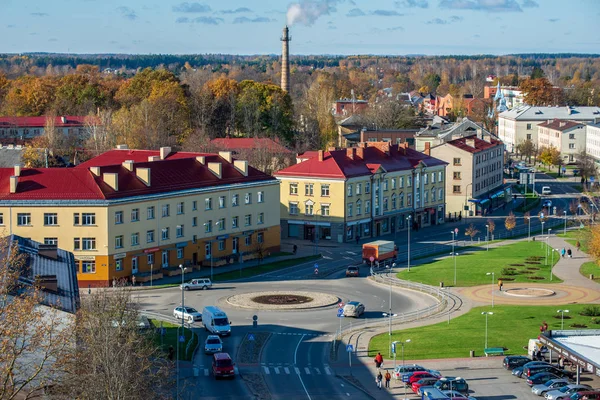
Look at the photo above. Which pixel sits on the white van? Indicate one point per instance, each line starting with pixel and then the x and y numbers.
pixel 216 321
pixel 546 190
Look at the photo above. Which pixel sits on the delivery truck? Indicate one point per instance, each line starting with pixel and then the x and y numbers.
pixel 380 250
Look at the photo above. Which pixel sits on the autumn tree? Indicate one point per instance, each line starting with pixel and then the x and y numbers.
pixel 510 222
pixel 491 226
pixel 471 231
pixel 527 148
pixel 586 166
pixel 540 92
pixel 550 156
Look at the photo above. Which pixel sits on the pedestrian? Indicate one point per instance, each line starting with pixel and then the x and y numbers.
pixel 500 284
pixel 114 282
pixel 89 289
pixel 388 377
pixel 295 249
pixel 561 362
pixel 133 280
pixel 563 252
pixel 379 379
pixel 378 360
pixel 569 253
pixel 357 239
pixel 578 245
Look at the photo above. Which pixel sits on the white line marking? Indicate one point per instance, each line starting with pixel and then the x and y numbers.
pixel 297 370
pixel 295 362
pixel 347 394
pixel 327 371
pixel 307 370
pixel 266 369
pixel 205 371
pixel 318 372
pixel 342 384
pixel 287 370
pixel 277 370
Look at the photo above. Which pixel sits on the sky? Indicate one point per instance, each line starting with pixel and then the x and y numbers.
pixel 386 27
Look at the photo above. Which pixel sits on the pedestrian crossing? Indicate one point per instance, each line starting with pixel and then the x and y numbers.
pixel 304 334
pixel 323 370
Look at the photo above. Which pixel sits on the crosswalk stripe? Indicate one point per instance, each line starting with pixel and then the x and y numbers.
pixel 287 370
pixel 267 370
pixel 277 370
pixel 205 371
pixel 297 370
pixel 318 372
pixel 307 370
pixel 327 371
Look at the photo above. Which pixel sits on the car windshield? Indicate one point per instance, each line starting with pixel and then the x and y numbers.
pixel 190 310
pixel 223 363
pixel 565 389
pixel 221 321
pixel 213 341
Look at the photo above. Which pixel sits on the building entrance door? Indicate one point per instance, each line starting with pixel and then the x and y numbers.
pixel 165 258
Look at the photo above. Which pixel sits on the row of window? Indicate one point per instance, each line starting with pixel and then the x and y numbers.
pixel 51 219
pixel 490 168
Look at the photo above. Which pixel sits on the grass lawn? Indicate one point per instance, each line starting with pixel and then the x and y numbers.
pixel 590 267
pixel 261 269
pixel 510 327
pixel 170 339
pixel 472 267
pixel 580 235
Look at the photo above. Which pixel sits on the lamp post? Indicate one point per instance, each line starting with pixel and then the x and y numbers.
pixel 487 237
pixel 552 263
pixel 466 208
pixel 390 315
pixel 529 228
pixel 454 254
pixel 406 341
pixel 408 219
pixel 565 228
pixel 548 242
pixel 493 282
pixel 562 318
pixel 542 216
pixel 182 321
pixel 486 313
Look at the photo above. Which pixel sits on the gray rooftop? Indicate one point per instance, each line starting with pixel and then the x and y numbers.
pixel 10 156
pixel 534 113
pixel 448 131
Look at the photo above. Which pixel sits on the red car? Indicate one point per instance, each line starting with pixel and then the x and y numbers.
pixel 420 375
pixel 423 382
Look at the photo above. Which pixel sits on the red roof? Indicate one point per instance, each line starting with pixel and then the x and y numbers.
pixel 249 144
pixel 180 171
pixel 337 164
pixel 40 122
pixel 479 144
pixel 560 124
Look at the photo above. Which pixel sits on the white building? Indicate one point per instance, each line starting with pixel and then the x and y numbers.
pixel 520 124
pixel 568 137
pixel 592 141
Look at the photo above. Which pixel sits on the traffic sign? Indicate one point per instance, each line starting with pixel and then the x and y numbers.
pixel 393 347
pixel 181 338
pixel 316 266
pixel 340 312
pixel 255 318
pixel 251 337
pixel 455 230
pixel 371 258
pixel 591 179
pixel 349 348
pixel 340 304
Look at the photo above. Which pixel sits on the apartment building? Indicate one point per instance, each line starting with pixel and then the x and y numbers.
pixel 133 212
pixel 475 181
pixel 568 137
pixel 24 128
pixel 592 141
pixel 374 189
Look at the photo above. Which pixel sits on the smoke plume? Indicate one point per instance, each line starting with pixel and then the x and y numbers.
pixel 307 12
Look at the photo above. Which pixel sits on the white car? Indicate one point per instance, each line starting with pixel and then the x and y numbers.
pixel 200 283
pixel 453 394
pixel 188 314
pixel 213 344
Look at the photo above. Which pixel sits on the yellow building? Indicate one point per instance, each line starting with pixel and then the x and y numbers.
pixel 368 191
pixel 129 212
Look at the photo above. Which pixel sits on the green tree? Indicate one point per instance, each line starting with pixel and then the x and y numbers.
pixel 537 73
pixel 526 148
pixel 431 81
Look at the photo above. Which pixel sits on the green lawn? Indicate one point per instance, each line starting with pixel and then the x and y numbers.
pixel 580 235
pixel 170 339
pixel 471 267
pixel 589 268
pixel 261 269
pixel 510 327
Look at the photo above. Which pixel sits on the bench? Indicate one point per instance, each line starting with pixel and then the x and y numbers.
pixel 494 351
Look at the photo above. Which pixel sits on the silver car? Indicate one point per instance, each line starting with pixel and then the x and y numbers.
pixel 188 314
pixel 552 384
pixel 213 344
pixel 566 391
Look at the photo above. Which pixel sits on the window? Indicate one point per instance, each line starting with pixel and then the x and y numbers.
pixel 88 267
pixel 433 177
pixel 135 214
pixel 456 189
pixel 393 183
pixel 401 197
pixel 118 217
pixel 221 224
pixel 180 253
pixel 208 204
pixel 119 242
pixel 260 197
pixel 180 209
pixel 51 241
pixel 367 187
pixel 165 210
pixel 194 239
pixel 408 181
pixel 456 161
pixel 248 240
pixel 385 185
pixel 401 182
pixel 165 234
pixel 425 179
pixel 150 213
pixel 308 189
pixel 394 202
pixel 150 236
pixel 76 219
pixel 221 245
pixel 77 244
pixel 194 205
pixel 135 239
pixel 359 188
pixel 440 194
pixel 234 222
pixel 260 219
pixel 571 136
pixel 358 207
pixel 324 190
pixel 50 219
pixel 528 127
pixel 88 219
pixel 426 197
pixel 195 221
pixel 529 136
pixel 294 188
pixel 150 259
pixel 456 175
pixel 179 231
pixel 119 265
pixel 440 176
pixel 23 219
pixel 260 237
pixel 367 207
pixel 88 243
pixel 349 190
pixel 385 204
pixel 248 220
pixel 293 208
pixel 235 200
pixel 571 145
pixel 208 226
pixel 222 202
pixel 350 207
pixel 134 264
pixel 409 200
pixel 324 209
pixel 208 250
pixel 248 198
pixel 309 209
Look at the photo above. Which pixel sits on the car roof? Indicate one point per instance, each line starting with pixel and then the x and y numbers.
pixel 222 356
pixel 352 266
pixel 213 337
pixel 352 303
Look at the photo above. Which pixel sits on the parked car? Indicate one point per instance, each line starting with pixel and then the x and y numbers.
pixel 423 382
pixel 511 362
pixel 352 271
pixel 518 372
pixel 420 375
pixel 540 378
pixel 188 314
pixel 354 309
pixel 586 395
pixel 213 344
pixel 406 369
pixel 552 384
pixel 223 366
pixel 201 283
pixel 454 395
pixel 566 391
pixel 453 383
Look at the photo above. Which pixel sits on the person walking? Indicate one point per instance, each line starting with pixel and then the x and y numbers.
pixel 378 360
pixel 500 284
pixel 563 252
pixel 357 239
pixel 578 245
pixel 379 379
pixel 569 253
pixel 388 377
pixel 133 280
pixel 561 362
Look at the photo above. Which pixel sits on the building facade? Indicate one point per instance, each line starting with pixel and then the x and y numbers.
pixel 475 175
pixel 436 134
pixel 136 212
pixel 25 128
pixel 568 137
pixel 592 141
pixel 374 189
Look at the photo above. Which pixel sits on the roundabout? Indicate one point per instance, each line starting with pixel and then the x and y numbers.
pixel 282 300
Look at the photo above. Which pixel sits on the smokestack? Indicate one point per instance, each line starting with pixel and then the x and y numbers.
pixel 285 60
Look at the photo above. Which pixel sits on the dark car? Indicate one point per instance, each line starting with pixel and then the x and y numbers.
pixel 512 362
pixel 587 395
pixel 223 366
pixel 518 371
pixel 451 383
pixel 540 378
pixel 536 369
pixel 352 271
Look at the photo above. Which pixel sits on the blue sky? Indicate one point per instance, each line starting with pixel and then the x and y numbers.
pixel 318 26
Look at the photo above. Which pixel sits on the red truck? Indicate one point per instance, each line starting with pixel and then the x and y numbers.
pixel 380 250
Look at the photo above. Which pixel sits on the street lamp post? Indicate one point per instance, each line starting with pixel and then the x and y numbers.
pixel 552 263
pixel 542 228
pixel 486 313
pixel 406 341
pixel 454 254
pixel 529 228
pixel 493 282
pixel 182 322
pixel 547 244
pixel 390 315
pixel 408 225
pixel 487 237
pixel 562 318
pixel 565 228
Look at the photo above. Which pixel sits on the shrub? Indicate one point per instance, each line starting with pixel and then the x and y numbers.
pixel 591 311
pixel 536 278
pixel 578 326
pixel 595 321
pixel 508 271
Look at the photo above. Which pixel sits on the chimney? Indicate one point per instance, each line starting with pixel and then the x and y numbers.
pixel 48 251
pixel 331 149
pixel 384 147
pixel 14 181
pixel 164 152
pixel 241 166
pixel 427 150
pixel 470 142
pixel 360 153
pixel 350 152
pixel 226 155
pixel 128 165
pixel 215 168
pixel 320 155
pixel 112 180
pixel 201 160
pixel 560 125
pixel 63 120
pixel 153 158
pixel 143 175
pixel 122 147
pixel 17 170
pixel 285 62
pixel 480 133
pixel 363 133
pixel 47 283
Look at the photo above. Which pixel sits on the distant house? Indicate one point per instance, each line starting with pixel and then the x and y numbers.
pixel 24 128
pixel 446 105
pixel 236 145
pixel 512 94
pixel 346 107
pixel 568 137
pixel 394 136
pixel 440 133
